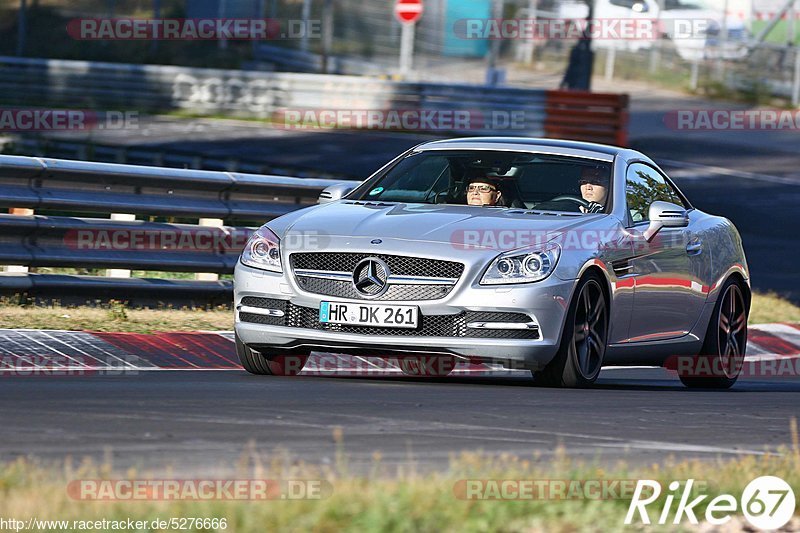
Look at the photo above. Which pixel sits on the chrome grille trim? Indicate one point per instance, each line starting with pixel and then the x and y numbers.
pixel 392 279
pixel 260 311
pixel 324 274
pixel 503 325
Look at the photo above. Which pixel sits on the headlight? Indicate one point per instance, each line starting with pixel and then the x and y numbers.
pixel 523 267
pixel 263 251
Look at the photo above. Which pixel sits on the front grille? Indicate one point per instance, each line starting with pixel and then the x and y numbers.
pixel 400 292
pixel 398 264
pixel 429 325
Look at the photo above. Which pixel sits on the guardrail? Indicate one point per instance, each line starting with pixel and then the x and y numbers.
pixel 271 95
pixel 41 183
pixel 159 156
pixel 55 187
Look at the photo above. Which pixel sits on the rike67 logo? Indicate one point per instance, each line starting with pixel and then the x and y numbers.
pixel 768 503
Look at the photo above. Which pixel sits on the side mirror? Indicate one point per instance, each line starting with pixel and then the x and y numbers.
pixel 665 215
pixel 336 192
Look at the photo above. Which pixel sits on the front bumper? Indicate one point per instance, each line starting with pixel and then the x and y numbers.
pixel 544 302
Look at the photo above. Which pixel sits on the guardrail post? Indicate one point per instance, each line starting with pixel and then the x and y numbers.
pixel 611 58
pixel 211 223
pixel 120 272
pixel 20 212
pixel 796 82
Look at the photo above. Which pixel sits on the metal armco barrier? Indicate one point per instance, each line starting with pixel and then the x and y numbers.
pixel 75 186
pixel 88 150
pixel 101 243
pixel 587 116
pixel 493 110
pixel 41 183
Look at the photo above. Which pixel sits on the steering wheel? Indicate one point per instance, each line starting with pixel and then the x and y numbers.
pixel 580 201
pixel 442 194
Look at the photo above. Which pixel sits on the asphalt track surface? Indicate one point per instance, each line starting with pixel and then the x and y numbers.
pixel 203 421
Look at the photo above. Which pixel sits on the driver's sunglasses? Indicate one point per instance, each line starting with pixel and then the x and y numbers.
pixel 481 188
pixel 593 181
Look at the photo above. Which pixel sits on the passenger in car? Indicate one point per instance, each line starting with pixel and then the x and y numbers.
pixel 483 191
pixel 594 189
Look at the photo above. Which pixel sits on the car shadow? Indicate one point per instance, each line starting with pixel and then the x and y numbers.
pixel 603 384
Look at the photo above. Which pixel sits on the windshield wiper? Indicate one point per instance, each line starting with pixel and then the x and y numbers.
pixel 550 213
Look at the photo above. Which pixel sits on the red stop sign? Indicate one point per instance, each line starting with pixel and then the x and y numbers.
pixel 408 11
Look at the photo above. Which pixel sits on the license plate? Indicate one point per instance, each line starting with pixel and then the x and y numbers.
pixel 387 316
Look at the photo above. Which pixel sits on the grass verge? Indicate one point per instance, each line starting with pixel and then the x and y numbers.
pixel 117 317
pixel 406 500
pixel 113 317
pixel 770 307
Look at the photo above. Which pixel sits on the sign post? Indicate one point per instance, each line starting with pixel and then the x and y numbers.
pixel 407 12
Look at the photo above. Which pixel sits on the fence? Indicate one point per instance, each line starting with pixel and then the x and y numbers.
pixel 55 187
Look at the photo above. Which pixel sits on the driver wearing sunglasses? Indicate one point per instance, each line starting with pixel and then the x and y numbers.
pixel 483 191
pixel 594 189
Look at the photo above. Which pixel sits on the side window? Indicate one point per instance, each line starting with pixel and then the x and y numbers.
pixel 643 186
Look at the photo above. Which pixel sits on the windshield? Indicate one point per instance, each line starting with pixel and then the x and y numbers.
pixel 494 179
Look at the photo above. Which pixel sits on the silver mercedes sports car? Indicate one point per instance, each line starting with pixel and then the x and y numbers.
pixel 554 256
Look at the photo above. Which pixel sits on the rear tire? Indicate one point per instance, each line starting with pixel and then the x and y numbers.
pixel 725 342
pixel 260 364
pixel 583 341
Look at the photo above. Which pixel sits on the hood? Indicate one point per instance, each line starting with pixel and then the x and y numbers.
pixel 477 227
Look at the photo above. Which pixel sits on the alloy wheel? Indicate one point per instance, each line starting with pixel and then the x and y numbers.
pixel 591 327
pixel 732 331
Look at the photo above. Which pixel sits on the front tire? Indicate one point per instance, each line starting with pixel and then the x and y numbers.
pixel 724 347
pixel 583 342
pixel 261 364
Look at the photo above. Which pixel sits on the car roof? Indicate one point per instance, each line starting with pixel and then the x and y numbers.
pixel 586 149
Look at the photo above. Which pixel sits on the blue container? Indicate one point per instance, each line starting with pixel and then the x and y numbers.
pixel 455 43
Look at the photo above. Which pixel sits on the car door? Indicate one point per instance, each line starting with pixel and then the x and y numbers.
pixel 667 299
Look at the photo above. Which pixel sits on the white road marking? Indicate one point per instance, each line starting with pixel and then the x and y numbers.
pixel 699 171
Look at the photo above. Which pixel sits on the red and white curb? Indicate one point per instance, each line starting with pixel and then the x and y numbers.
pixel 775 347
